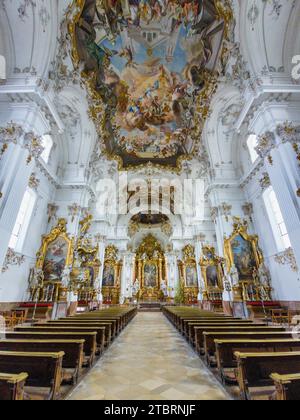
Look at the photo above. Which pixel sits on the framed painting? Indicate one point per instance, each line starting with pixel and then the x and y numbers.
pixel 56 252
pixel 191 276
pixel 241 250
pixel 109 276
pixel 212 272
pixel 55 259
pixel 150 275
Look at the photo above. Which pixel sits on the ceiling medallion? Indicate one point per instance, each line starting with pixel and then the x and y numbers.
pixel 151 69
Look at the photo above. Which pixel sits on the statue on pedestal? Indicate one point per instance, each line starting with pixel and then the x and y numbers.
pixel 135 288
pixel 164 288
pixel 264 275
pixel 36 278
pixel 65 277
pixel 234 274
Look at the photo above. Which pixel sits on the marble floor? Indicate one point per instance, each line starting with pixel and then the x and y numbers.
pixel 149 361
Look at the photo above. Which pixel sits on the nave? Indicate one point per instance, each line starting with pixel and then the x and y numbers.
pixel 150 360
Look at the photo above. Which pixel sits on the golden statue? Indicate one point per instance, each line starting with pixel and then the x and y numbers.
pixel 85 224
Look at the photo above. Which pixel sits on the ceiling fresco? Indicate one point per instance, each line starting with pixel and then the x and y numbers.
pixel 150 68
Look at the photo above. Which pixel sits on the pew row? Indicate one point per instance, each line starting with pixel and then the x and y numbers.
pixel 201 332
pixel 226 349
pixel 89 346
pixel 73 349
pixel 84 324
pixel 100 332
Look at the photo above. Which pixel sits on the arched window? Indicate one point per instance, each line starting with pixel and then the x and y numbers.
pixel 47 144
pixel 23 220
pixel 2 69
pixel 276 219
pixel 252 142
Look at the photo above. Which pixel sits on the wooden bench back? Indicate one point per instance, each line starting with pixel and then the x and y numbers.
pixel 44 369
pixel 199 331
pixel 226 349
pixel 12 386
pixel 255 370
pixel 287 387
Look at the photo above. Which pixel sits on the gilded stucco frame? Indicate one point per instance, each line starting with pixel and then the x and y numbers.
pixel 112 261
pixel 241 229
pixel 210 259
pixel 59 231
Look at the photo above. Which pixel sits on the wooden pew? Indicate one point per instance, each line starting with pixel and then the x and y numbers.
pixel 255 370
pixel 89 347
pixel 176 315
pixel 106 325
pixel 210 337
pixel 44 369
pixel 93 317
pixel 226 349
pixel 191 326
pixel 100 332
pixel 186 321
pixel 12 386
pixel 73 349
pixel 200 330
pixel 184 318
pixel 112 322
pixel 287 387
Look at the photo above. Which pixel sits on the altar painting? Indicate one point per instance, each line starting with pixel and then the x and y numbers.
pixel 244 256
pixel 55 259
pixel 191 277
pixel 212 276
pixel 108 276
pixel 150 275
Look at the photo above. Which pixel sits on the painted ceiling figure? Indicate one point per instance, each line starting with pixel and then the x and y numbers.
pixel 151 59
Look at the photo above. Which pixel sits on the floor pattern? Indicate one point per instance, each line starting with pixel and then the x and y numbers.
pixel 149 361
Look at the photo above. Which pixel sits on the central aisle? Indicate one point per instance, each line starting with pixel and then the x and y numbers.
pixel 149 361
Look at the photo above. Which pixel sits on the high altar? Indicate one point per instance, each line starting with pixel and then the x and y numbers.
pixel 150 271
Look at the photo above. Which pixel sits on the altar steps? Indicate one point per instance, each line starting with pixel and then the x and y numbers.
pixel 149 307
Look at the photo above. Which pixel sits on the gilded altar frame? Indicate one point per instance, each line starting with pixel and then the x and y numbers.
pixel 89 265
pixel 210 259
pixel 59 231
pixel 247 289
pixel 111 294
pixel 189 261
pixel 240 228
pixel 150 252
pixel 52 290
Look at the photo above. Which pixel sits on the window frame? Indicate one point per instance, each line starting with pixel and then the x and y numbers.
pixel 276 220
pixel 23 219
